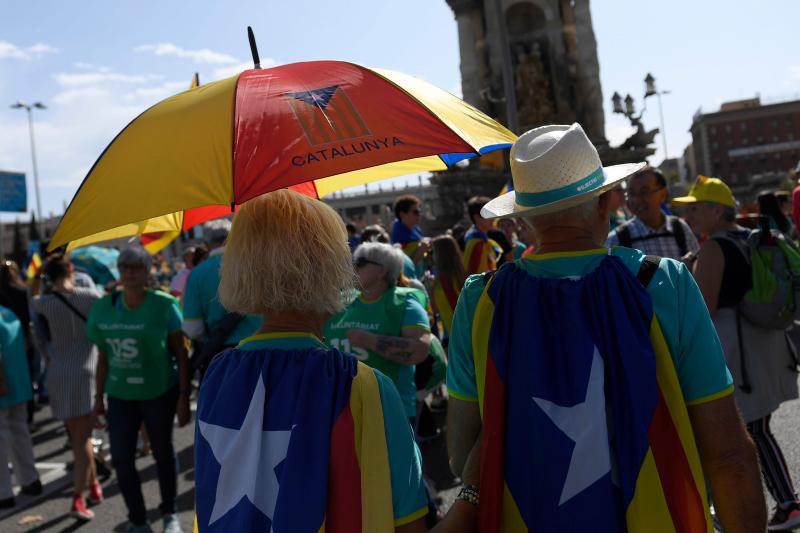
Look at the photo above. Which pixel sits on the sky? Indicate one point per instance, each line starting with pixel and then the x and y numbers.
pixel 97 64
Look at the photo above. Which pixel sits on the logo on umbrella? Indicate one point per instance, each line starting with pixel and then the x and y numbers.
pixel 327 115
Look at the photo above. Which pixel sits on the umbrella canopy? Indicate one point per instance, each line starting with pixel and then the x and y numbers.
pixel 100 263
pixel 320 126
pixel 156 232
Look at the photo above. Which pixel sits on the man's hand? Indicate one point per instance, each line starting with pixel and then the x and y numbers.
pixel 183 410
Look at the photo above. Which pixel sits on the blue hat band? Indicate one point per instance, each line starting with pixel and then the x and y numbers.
pixel 536 199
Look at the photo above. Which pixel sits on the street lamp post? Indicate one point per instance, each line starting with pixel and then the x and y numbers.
pixel 650 90
pixel 29 108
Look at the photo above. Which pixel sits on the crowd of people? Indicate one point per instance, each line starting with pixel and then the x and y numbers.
pixel 606 365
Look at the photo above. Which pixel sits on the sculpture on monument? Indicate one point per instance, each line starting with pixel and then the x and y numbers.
pixel 534 97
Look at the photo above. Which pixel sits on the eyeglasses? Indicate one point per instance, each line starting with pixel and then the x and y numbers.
pixel 361 262
pixel 415 211
pixel 644 193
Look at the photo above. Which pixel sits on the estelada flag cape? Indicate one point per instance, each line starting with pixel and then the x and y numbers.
pixel 291 440
pixel 480 252
pixel 445 297
pixel 584 423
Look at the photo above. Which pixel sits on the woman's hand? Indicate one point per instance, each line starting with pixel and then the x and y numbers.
pixel 99 412
pixel 360 338
pixel 183 410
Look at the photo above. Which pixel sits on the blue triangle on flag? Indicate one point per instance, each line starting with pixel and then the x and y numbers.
pixel 316 97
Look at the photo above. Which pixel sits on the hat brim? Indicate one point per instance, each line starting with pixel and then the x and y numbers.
pixel 684 200
pixel 506 205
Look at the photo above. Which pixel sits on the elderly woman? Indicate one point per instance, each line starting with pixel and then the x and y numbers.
pixel 70 373
pixel 386 327
pixel 758 358
pixel 144 370
pixel 334 428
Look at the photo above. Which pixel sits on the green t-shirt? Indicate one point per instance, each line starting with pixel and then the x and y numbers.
pixel 380 317
pixel 140 364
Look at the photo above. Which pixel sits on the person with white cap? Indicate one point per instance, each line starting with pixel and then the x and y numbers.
pixel 592 379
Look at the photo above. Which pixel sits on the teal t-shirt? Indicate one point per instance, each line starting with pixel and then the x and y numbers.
pixel 14 360
pixel 200 301
pixel 677 304
pixel 140 364
pixel 519 249
pixel 405 461
pixel 376 317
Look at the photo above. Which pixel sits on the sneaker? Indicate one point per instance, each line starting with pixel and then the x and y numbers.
pixel 172 524
pixel 95 493
pixel 139 529
pixel 79 509
pixel 7 503
pixel 34 489
pixel 785 517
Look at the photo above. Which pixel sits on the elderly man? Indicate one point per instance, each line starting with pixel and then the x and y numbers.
pixel 205 320
pixel 650 230
pixel 592 377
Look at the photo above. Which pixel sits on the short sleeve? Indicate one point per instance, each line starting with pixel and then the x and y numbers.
pixel 192 306
pixel 700 360
pixel 175 317
pixel 92 331
pixel 405 461
pixel 415 315
pixel 461 364
pixel 613 239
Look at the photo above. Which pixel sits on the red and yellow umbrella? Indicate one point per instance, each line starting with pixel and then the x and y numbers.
pixel 316 126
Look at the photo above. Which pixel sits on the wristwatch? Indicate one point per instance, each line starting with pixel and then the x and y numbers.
pixel 470 494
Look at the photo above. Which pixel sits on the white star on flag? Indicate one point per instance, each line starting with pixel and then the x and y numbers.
pixel 247 457
pixel 585 424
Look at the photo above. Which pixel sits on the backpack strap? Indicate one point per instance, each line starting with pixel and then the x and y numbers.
pixel 648 269
pixel 678 231
pixel 624 235
pixel 68 304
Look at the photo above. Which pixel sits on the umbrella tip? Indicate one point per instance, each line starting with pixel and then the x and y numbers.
pixel 253 48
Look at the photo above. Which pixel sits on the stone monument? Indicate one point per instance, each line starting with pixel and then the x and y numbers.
pixel 554 59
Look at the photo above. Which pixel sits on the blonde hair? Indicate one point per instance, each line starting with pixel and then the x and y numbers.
pixel 286 252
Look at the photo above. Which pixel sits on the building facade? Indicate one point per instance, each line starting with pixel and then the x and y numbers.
pixel 749 145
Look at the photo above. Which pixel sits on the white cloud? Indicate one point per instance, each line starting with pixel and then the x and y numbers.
pixel 203 55
pixel 11 51
pixel 75 79
pixel 90 66
pixel 160 92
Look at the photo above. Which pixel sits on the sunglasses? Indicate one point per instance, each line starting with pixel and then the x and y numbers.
pixel 361 262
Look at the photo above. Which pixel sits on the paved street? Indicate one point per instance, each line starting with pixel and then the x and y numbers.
pixel 48 513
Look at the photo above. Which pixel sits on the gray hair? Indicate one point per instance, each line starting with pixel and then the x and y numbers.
pixel 386 255
pixel 135 256
pixel 577 214
pixel 215 232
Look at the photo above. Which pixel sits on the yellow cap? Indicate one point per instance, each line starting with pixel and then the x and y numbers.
pixel 708 190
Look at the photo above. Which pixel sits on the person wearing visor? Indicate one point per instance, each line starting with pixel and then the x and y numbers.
pixel 758 358
pixel 143 368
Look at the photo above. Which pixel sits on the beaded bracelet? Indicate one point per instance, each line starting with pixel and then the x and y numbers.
pixel 469 493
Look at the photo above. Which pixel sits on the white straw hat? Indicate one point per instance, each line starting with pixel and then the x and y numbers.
pixel 553 168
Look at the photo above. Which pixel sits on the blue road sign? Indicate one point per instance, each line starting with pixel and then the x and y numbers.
pixel 13 192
